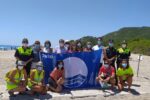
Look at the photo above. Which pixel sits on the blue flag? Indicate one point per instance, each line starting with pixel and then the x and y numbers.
pixel 81 68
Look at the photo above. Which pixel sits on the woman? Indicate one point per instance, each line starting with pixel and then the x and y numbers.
pixel 124 74
pixel 72 48
pixel 47 47
pixel 36 51
pixel 16 79
pixel 56 79
pixel 36 80
pixel 79 47
pixel 88 47
pixel 106 74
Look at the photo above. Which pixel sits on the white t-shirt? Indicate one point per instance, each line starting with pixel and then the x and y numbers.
pixel 60 50
pixel 96 47
pixel 47 50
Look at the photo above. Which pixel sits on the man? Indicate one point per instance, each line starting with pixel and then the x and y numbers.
pixel 25 53
pixel 98 47
pixel 110 53
pixel 123 53
pixel 61 48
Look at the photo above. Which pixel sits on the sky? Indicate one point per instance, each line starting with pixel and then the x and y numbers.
pixel 68 19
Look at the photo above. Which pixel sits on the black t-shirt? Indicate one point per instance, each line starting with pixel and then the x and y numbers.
pixel 23 57
pixel 111 52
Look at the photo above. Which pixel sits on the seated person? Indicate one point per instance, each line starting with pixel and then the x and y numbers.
pixel 36 80
pixel 124 74
pixel 16 79
pixel 56 79
pixel 106 74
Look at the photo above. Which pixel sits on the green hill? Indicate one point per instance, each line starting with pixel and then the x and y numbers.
pixel 138 39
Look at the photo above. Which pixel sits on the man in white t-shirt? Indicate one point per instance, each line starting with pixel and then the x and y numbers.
pixel 99 46
pixel 61 48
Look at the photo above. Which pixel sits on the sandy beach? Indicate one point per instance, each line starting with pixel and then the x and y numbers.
pixel 141 84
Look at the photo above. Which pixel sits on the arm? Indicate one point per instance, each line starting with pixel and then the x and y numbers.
pixel 26 77
pixel 104 53
pixel 43 83
pixel 32 56
pixel 32 78
pixel 17 55
pixel 11 77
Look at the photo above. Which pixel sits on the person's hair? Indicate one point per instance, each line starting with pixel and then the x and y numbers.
pixel 110 41
pixel 58 62
pixel 61 41
pixel 67 42
pixel 47 42
pixel 127 60
pixel 89 43
pixel 104 59
pixel 37 42
pixel 72 44
pixel 25 40
pixel 79 48
pixel 17 63
pixel 100 38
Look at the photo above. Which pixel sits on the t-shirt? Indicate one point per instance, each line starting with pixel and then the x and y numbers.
pixel 56 73
pixel 60 50
pixel 107 71
pixel 96 47
pixel 49 50
pixel 123 72
pixel 36 54
pixel 111 52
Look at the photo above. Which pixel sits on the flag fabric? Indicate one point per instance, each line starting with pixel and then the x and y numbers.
pixel 81 68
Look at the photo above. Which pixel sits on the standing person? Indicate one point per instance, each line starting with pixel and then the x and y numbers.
pixel 57 77
pixel 124 74
pixel 25 53
pixel 123 53
pixel 47 47
pixel 36 80
pixel 36 51
pixel 79 46
pixel 98 47
pixel 67 45
pixel 61 48
pixel 16 79
pixel 88 47
pixel 106 74
pixel 110 53
pixel 72 48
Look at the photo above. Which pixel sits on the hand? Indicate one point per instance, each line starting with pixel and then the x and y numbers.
pixel 102 80
pixel 40 84
pixel 26 63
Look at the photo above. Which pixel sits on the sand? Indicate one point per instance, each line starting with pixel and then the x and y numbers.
pixel 141 84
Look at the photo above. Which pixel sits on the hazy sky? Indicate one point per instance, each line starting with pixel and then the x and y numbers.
pixel 68 19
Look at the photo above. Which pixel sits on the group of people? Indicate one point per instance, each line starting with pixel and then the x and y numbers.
pixel 28 76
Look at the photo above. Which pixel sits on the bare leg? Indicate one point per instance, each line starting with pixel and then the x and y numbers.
pixel 60 81
pixel 112 82
pixel 20 89
pixel 37 89
pixel 129 81
pixel 120 84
